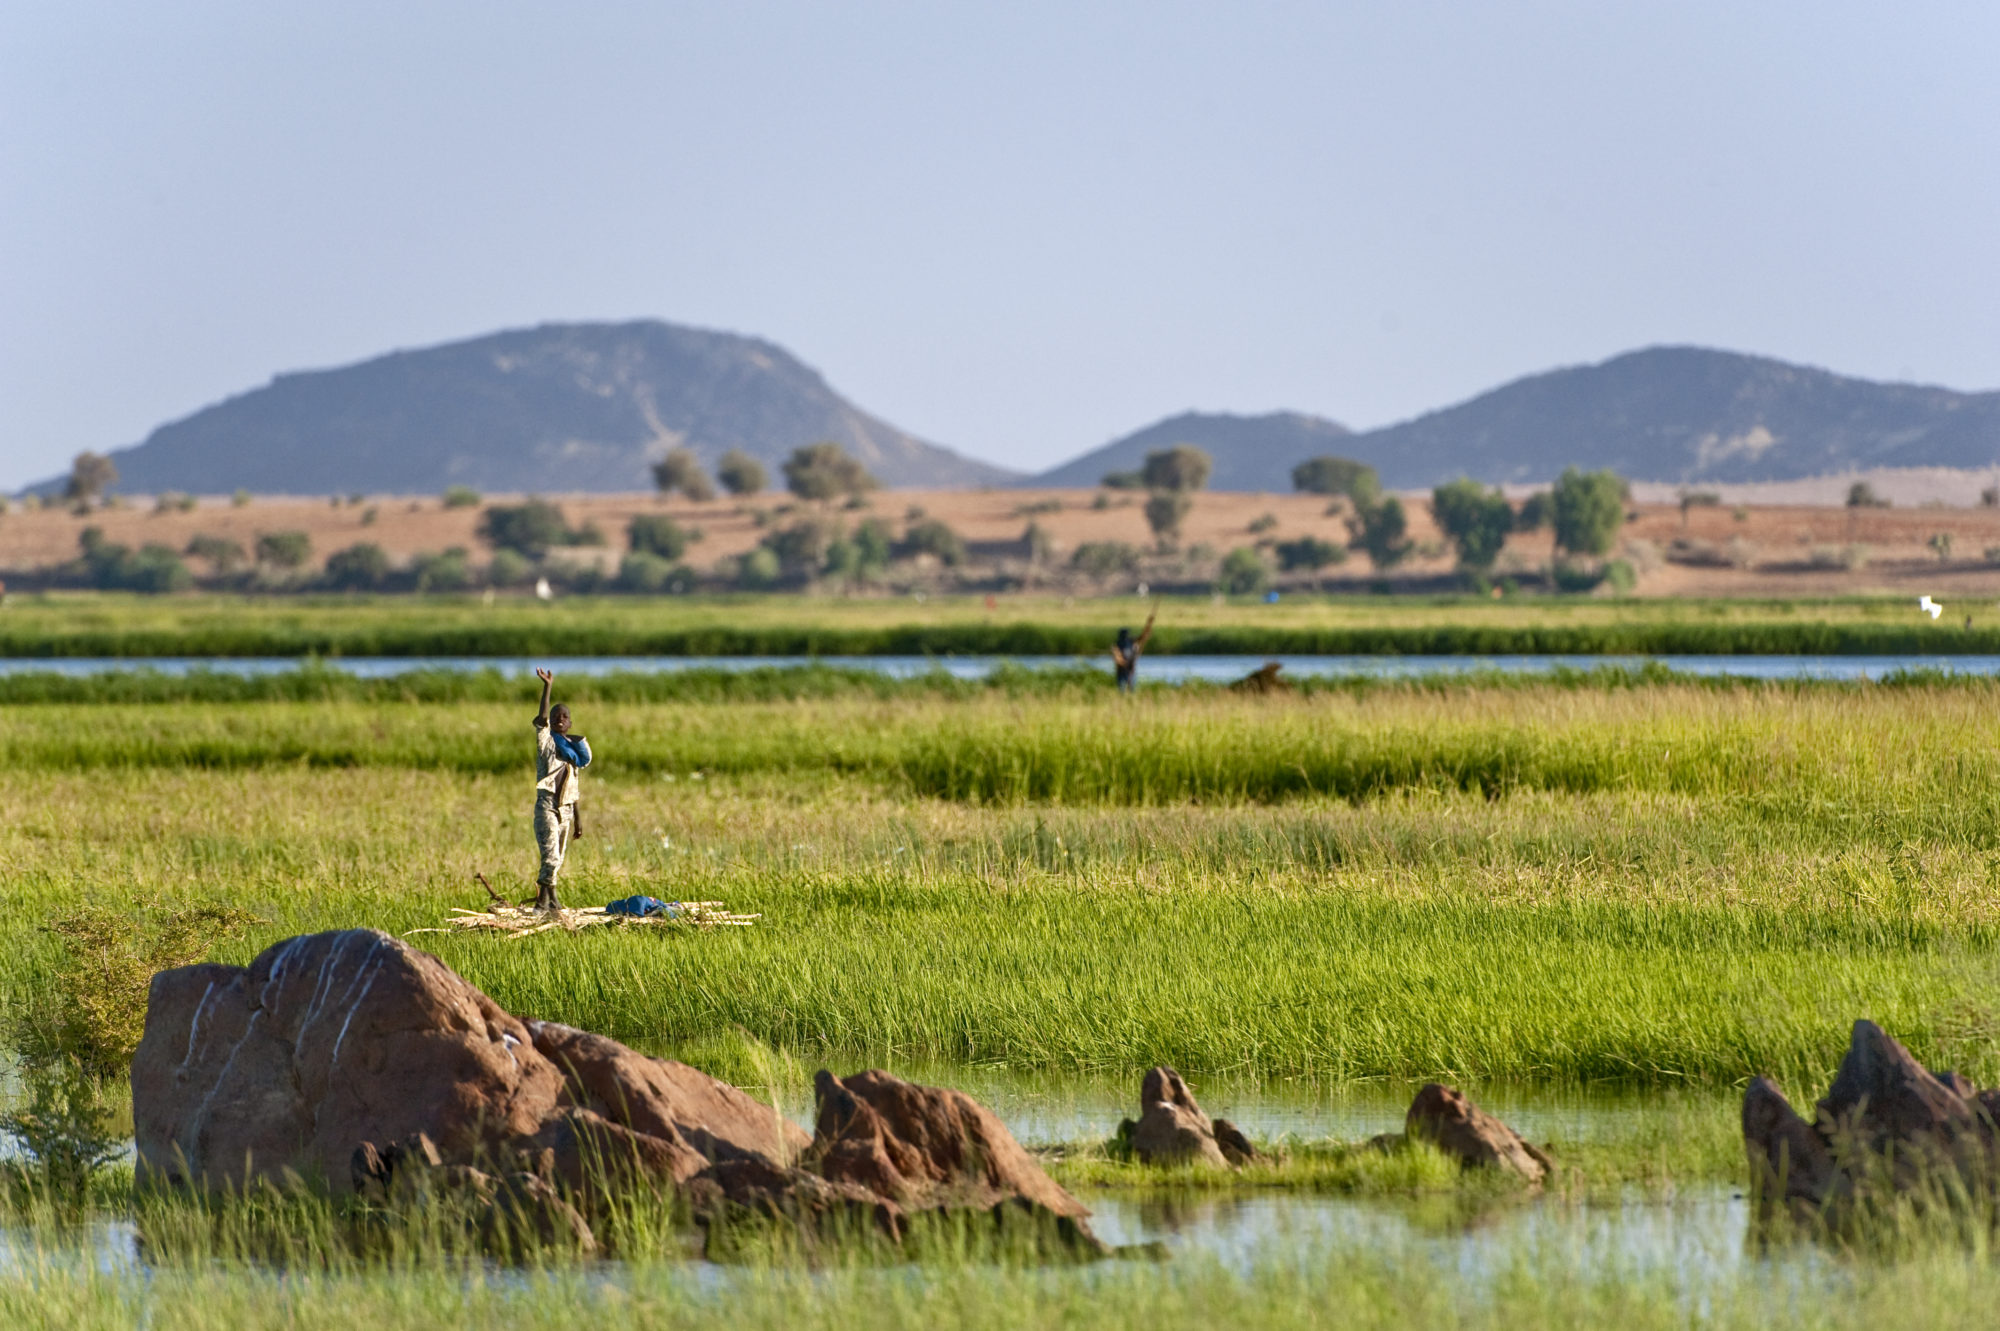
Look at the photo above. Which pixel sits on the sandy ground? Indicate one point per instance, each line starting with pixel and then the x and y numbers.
pixel 1760 550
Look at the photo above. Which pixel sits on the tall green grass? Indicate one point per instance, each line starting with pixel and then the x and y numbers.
pixel 126 626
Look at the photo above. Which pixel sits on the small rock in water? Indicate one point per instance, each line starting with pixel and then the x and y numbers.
pixel 1443 1116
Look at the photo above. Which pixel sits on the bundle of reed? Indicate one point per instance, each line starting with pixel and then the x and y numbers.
pixel 521 921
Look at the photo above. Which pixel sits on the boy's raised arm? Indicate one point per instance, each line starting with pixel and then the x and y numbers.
pixel 548 678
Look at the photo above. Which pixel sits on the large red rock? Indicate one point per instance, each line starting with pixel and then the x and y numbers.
pixel 662 1098
pixel 327 1041
pixel 1443 1116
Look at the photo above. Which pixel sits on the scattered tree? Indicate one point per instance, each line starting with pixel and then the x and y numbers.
pixel 681 470
pixel 222 555
pixel 1697 499
pixel 1181 469
pixel 1940 545
pixel 1121 480
pixel 1243 572
pixel 800 548
pixel 862 555
pixel 1475 519
pixel 90 475
pixel 358 568
pixel 284 549
pixel 1164 511
pixel 1329 475
pixel 825 471
pixel 1041 547
pixel 1381 528
pixel 1862 495
pixel 155 568
pixel 935 538
pixel 458 496
pixel 1587 509
pixel 740 474
pixel 657 534
pixel 1308 553
pixel 1535 512
pixel 1104 559
pixel 531 528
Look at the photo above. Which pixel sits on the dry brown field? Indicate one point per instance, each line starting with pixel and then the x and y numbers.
pixel 1761 550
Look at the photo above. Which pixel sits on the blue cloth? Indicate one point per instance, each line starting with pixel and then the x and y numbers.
pixel 572 749
pixel 643 906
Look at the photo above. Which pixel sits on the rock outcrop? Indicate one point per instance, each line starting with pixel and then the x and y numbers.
pixel 353 1059
pixel 1886 1121
pixel 1443 1116
pixel 1173 1130
pixel 280 1069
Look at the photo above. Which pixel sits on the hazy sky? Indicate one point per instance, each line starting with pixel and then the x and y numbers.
pixel 1018 229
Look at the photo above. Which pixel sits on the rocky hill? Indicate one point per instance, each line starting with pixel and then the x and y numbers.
pixel 1679 415
pixel 562 407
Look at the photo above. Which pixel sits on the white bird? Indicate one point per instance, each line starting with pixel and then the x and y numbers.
pixel 1929 607
pixel 543 592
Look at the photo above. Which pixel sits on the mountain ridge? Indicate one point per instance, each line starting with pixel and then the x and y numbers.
pixel 556 407
pixel 1671 414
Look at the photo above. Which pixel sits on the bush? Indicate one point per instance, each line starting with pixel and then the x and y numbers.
pixel 220 553
pixel 657 534
pixel 644 572
pixel 1535 512
pixel 1620 576
pixel 800 549
pixel 241 499
pixel 1862 495
pixel 935 538
pixel 1243 572
pixel 64 1131
pixel 530 528
pixel 1104 559
pixel 284 549
pixel 1041 546
pixel 360 567
pixel 759 569
pixel 1164 511
pixel 825 471
pixel 173 501
pixel 1570 576
pixel 862 555
pixel 460 496
pixel 1309 553
pixel 1337 476
pixel 113 567
pixel 450 571
pixel 93 1011
pixel 1475 519
pixel 1587 509
pixel 509 568
pixel 1120 480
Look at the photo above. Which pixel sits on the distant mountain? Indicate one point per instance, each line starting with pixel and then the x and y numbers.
pixel 1679 415
pixel 1250 452
pixel 1683 415
pixel 562 407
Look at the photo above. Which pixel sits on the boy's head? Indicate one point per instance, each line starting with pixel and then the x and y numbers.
pixel 559 718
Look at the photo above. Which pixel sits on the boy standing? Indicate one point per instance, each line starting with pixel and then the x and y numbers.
pixel 559 756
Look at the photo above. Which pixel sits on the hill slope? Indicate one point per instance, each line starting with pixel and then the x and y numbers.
pixel 1686 414
pixel 562 407
pixel 1677 415
pixel 1250 452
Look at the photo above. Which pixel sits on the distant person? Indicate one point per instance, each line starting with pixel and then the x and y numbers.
pixel 559 756
pixel 1125 653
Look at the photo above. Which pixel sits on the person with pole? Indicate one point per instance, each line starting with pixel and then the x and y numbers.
pixel 1125 653
pixel 559 756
